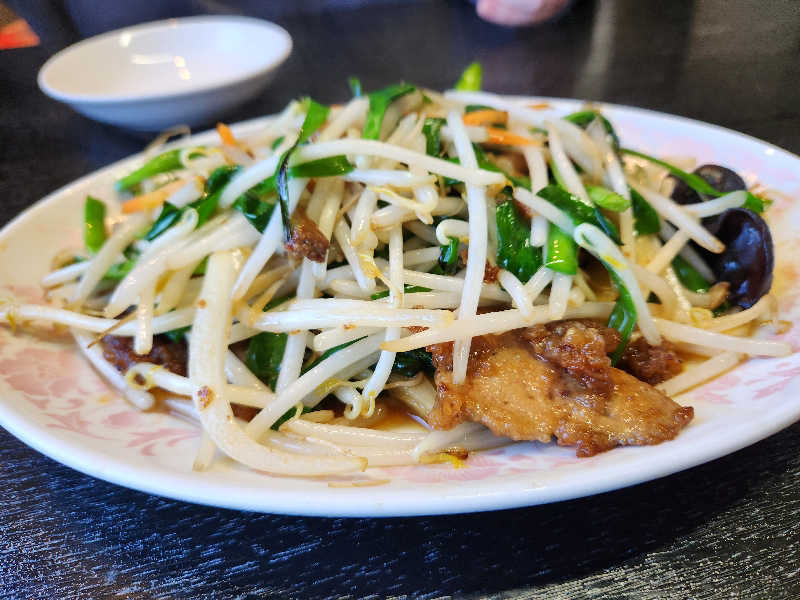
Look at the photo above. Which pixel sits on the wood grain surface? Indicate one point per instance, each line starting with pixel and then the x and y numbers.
pixel 727 529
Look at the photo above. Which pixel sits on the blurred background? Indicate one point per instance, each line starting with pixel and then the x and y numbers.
pixel 713 60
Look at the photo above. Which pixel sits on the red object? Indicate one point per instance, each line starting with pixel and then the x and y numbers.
pixel 17 34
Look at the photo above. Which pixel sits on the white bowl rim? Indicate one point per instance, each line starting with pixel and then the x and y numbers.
pixel 223 82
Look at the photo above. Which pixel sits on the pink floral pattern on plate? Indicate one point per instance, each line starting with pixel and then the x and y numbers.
pixel 45 376
pixel 516 460
pixel 72 397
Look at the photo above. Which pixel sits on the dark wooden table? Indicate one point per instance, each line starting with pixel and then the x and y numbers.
pixel 726 529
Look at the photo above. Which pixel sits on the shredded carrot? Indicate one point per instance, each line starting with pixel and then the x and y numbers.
pixel 540 106
pixel 152 199
pixel 225 134
pixel 486 117
pixel 506 138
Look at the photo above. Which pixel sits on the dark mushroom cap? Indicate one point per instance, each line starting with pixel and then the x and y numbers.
pixel 720 178
pixel 748 259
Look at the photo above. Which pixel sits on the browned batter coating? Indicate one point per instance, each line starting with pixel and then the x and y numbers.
pixel 554 380
pixel 245 413
pixel 652 364
pixel 119 352
pixel 490 273
pixel 171 355
pixel 581 348
pixel 307 240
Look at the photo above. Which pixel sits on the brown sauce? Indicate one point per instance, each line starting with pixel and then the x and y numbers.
pixel 398 417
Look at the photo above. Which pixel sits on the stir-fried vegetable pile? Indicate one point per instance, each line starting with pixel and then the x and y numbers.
pixel 322 253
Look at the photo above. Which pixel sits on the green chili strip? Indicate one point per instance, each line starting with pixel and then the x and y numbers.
pixel 216 182
pixel 697 183
pixel 578 210
pixel 411 362
pixel 265 350
pixel 355 86
pixel 645 217
pixel 562 252
pixel 378 103
pixel 331 166
pixel 264 356
pixel 722 309
pixel 168 216
pixel 315 118
pixel 328 353
pixel 163 163
pixel 756 203
pixel 316 115
pixel 471 79
pixel 276 302
pixel 583 119
pixel 605 198
pixel 689 276
pixel 118 271
pixel 514 251
pixel 448 257
pixel 290 414
pixel 623 317
pixel 282 185
pixel 205 205
pixel 201 267
pixel 177 336
pixel 94 224
pixel 219 178
pixel 486 164
pixel 431 129
pixel 255 210
pixel 448 263
pixel 407 289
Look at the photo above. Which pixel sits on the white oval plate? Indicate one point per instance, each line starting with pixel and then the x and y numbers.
pixel 53 400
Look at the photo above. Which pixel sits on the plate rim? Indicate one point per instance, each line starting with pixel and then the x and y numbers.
pixel 338 502
pixel 474 496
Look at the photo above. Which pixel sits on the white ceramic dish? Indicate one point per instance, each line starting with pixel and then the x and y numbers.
pixel 53 401
pixel 155 75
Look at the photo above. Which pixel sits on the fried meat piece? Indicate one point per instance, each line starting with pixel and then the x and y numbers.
pixel 171 355
pixel 652 364
pixel 581 348
pixel 306 241
pixel 533 384
pixel 119 352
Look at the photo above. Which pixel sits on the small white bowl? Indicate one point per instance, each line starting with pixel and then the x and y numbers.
pixel 155 75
